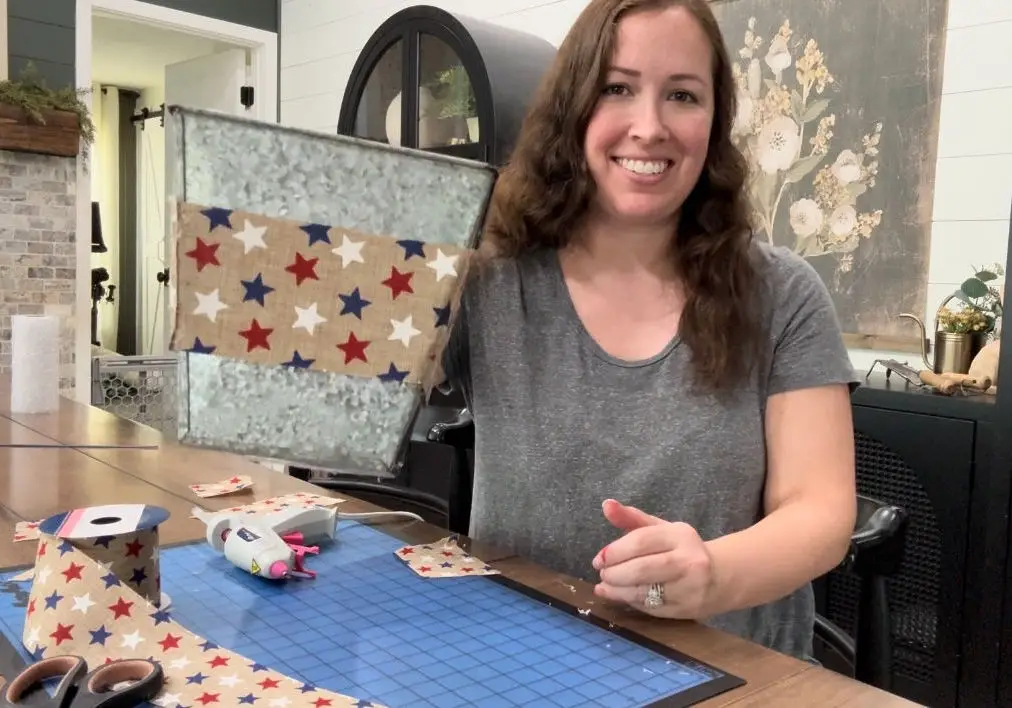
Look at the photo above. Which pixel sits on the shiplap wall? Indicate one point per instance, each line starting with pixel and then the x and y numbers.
pixel 320 40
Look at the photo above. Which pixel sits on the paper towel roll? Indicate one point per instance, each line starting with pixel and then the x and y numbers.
pixel 35 363
pixel 121 537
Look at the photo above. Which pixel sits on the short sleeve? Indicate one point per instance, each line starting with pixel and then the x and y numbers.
pixel 808 347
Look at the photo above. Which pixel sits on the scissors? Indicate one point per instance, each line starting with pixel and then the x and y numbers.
pixel 80 689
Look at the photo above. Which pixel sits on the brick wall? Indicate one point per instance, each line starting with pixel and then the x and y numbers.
pixel 37 252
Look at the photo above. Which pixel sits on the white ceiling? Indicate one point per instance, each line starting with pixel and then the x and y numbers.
pixel 133 55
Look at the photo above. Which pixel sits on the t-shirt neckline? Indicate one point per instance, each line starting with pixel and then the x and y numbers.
pixel 555 266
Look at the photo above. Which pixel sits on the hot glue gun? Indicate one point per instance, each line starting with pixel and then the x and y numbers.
pixel 271 545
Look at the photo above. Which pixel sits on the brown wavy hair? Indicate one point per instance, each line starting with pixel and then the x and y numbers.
pixel 546 188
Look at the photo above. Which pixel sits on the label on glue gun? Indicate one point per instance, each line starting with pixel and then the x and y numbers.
pixel 260 552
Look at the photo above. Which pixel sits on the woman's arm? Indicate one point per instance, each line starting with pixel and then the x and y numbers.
pixel 810 503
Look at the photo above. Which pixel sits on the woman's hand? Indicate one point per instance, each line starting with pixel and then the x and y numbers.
pixel 652 550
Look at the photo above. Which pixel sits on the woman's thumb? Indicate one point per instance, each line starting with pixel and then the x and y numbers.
pixel 625 517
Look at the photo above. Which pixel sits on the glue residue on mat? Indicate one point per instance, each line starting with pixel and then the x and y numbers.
pixel 316 419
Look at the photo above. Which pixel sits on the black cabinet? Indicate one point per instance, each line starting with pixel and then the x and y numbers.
pixel 446 83
pixel 932 455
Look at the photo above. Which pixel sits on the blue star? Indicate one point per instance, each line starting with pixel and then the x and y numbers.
pixel 412 248
pixel 197 678
pixel 248 698
pixel 111 581
pixel 66 547
pixel 316 232
pixel 353 303
pixel 208 646
pixel 393 374
pixel 98 636
pixel 442 315
pixel 218 217
pixel 258 667
pixel 52 600
pixel 297 362
pixel 138 576
pixel 307 688
pixel 40 651
pixel 363 703
pixel 256 290
pixel 198 348
pixel 161 616
pixel 446 564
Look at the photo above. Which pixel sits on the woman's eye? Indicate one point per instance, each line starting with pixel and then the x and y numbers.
pixel 683 96
pixel 614 90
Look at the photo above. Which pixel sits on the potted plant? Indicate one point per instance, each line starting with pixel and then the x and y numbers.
pixel 35 118
pixel 456 98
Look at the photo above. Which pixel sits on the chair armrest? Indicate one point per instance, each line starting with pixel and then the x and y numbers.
pixel 836 639
pixel 458 433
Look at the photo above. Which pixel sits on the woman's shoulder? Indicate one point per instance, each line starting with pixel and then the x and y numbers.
pixel 786 277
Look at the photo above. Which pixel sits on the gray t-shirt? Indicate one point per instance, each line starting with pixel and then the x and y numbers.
pixel 561 425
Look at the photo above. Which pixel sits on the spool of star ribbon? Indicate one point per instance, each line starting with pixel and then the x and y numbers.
pixel 122 538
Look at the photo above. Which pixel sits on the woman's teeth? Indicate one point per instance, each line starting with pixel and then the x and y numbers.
pixel 644 167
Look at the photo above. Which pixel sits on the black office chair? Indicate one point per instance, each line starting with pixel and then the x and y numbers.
pixel 876 553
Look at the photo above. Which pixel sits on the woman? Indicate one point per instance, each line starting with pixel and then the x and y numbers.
pixel 661 403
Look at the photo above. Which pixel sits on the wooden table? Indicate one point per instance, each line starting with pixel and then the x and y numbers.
pixel 52 462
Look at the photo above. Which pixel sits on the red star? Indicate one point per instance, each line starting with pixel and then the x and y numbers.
pixel 121 608
pixel 42 549
pixel 268 683
pixel 218 661
pixel 256 336
pixel 73 571
pixel 353 349
pixel 206 698
pixel 134 548
pixel 204 254
pixel 406 551
pixel 424 569
pixel 321 702
pixel 170 642
pixel 234 480
pixel 31 606
pixel 303 268
pixel 398 282
pixel 62 633
pixel 467 570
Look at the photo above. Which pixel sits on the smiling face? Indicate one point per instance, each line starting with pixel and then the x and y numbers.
pixel 647 139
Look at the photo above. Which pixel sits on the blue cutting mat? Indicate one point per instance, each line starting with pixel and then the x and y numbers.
pixel 368 626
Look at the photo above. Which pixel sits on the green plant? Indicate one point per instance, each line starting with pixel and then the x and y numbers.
pixel 454 92
pixel 30 93
pixel 979 293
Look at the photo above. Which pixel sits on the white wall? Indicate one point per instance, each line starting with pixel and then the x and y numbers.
pixel 105 190
pixel 151 224
pixel 321 39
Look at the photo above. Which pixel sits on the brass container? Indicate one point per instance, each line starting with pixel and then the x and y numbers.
pixel 955 352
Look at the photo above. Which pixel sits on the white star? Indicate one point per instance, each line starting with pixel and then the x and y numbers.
pixel 168 699
pixel 251 237
pixel 350 251
pixel 180 663
pixel 229 680
pixel 443 265
pixel 43 575
pixel 83 602
pixel 308 318
pixel 132 640
pixel 209 304
pixel 404 330
pixel 33 637
pixel 280 702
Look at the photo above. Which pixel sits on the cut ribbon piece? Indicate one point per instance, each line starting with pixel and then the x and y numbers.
pixel 225 486
pixel 443 559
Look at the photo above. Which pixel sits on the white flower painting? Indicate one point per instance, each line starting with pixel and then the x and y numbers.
pixel 805 188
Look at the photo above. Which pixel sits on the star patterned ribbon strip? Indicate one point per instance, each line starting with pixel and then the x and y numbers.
pixel 76 606
pixel 226 486
pixel 443 559
pixel 312 296
pixel 26 531
pixel 275 504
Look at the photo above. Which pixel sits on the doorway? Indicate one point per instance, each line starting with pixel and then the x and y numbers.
pixel 137 57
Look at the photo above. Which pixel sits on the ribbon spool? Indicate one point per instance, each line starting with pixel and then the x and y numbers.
pixel 121 537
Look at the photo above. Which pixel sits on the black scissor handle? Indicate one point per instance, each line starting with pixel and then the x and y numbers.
pixel 27 689
pixel 145 677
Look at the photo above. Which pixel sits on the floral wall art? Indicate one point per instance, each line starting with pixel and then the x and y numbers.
pixel 838 104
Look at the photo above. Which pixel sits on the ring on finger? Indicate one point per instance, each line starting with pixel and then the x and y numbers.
pixel 654 596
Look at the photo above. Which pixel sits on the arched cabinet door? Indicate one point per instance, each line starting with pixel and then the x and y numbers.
pixel 420 82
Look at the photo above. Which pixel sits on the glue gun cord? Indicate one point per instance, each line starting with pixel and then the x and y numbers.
pixel 380 515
